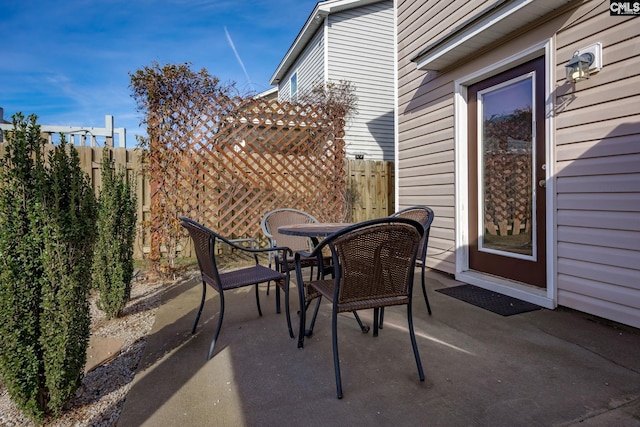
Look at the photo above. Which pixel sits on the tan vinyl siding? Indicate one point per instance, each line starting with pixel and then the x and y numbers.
pixel 426 132
pixel 426 121
pixel 420 23
pixel 434 19
pixel 598 171
pixel 361 50
pixel 596 146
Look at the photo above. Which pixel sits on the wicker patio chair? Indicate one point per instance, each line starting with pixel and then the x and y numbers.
pixel 424 215
pixel 374 267
pixel 287 216
pixel 204 241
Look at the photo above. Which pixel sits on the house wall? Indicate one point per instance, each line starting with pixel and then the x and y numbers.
pixel 426 123
pixel 596 133
pixel 597 125
pixel 309 66
pixel 361 50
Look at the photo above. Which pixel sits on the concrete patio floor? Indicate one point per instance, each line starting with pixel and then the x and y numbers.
pixel 541 368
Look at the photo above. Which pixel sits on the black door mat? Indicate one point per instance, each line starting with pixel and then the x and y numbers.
pixel 489 300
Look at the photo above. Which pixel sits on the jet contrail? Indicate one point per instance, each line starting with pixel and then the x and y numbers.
pixel 235 51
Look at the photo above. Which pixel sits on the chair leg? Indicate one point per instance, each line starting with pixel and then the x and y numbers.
pixel 286 308
pixel 269 282
pixel 336 359
pixel 303 308
pixel 414 344
pixel 303 321
pixel 218 326
pixel 278 310
pixel 258 300
pixel 303 325
pixel 380 323
pixel 376 315
pixel 204 294
pixel 313 319
pixel 424 292
pixel 364 328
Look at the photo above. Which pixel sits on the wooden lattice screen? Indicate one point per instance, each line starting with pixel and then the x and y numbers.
pixel 507 161
pixel 508 191
pixel 227 165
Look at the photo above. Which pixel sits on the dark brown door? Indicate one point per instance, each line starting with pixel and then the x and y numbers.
pixel 507 174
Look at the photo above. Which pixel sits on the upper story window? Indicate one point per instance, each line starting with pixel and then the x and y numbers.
pixel 293 83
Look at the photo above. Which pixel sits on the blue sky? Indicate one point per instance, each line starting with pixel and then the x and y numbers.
pixel 69 61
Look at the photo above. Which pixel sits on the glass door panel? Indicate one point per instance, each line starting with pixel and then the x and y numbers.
pixel 506 219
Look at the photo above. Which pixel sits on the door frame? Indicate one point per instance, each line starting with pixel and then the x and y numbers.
pixel 543 297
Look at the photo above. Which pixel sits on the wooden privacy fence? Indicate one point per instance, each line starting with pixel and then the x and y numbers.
pixel 369 191
pixel 91 163
pixel 130 160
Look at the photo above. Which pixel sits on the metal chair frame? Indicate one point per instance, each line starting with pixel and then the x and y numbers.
pixel 424 215
pixel 270 222
pixel 386 281
pixel 205 241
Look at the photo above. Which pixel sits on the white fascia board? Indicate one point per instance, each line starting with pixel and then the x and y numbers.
pixel 315 21
pixel 507 16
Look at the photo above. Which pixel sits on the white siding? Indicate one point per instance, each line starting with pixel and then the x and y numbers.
pixel 309 66
pixel 361 50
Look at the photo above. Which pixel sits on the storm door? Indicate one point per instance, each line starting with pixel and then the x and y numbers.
pixel 507 175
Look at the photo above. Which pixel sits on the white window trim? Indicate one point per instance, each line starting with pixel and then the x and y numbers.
pixel 291 93
pixel 543 297
pixel 325 41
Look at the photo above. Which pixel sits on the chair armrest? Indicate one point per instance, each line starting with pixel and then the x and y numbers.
pixel 277 249
pixel 234 244
pixel 302 253
pixel 271 249
pixel 250 240
pixel 317 253
pixel 285 250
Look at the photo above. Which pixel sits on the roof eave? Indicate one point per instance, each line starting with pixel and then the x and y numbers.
pixel 487 27
pixel 315 21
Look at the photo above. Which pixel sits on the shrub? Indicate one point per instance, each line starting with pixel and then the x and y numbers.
pixel 21 270
pixel 116 225
pixel 47 230
pixel 68 249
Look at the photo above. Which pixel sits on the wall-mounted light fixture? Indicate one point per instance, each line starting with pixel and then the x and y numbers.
pixel 584 62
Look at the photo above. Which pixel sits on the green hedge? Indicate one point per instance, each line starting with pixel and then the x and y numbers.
pixel 113 255
pixel 47 231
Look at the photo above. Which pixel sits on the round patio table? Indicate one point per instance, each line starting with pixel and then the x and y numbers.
pixel 313 229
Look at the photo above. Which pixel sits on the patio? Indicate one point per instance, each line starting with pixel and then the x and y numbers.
pixel 538 368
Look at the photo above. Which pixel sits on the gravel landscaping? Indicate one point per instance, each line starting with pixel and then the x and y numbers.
pixel 100 398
